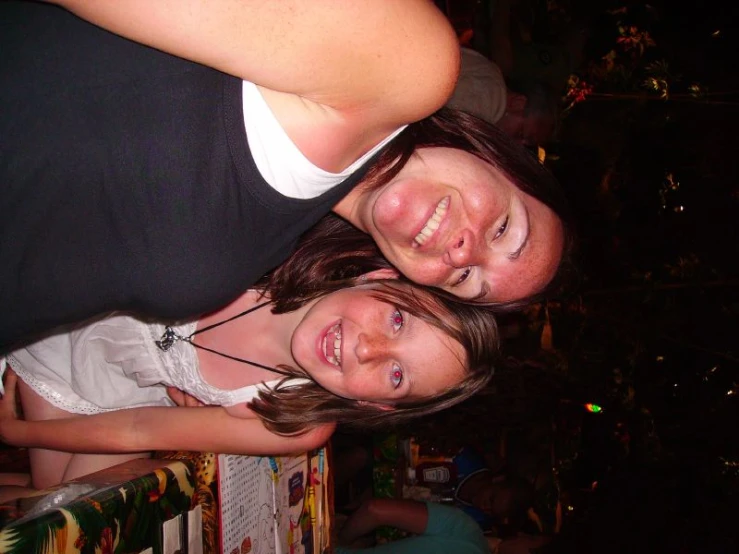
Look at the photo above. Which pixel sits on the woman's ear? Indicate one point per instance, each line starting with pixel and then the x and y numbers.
pixel 387 273
pixel 377 405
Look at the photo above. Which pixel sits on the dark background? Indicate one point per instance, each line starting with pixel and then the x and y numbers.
pixel 649 331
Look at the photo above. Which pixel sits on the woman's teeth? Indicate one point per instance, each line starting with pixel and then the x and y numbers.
pixel 433 223
pixel 334 358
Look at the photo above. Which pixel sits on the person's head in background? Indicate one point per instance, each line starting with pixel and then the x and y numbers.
pixel 531 115
pixel 506 499
pixel 527 111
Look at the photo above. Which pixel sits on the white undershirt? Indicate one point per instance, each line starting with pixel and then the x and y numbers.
pixel 279 161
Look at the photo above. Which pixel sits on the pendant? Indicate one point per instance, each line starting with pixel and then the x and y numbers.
pixel 169 337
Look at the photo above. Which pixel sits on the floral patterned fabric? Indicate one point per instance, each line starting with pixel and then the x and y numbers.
pixel 124 513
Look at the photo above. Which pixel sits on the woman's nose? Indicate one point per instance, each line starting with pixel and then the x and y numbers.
pixel 460 250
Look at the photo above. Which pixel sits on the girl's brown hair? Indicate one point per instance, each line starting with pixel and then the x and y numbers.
pixel 290 410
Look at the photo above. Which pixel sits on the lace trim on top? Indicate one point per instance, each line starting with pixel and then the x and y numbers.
pixel 124 346
pixel 79 406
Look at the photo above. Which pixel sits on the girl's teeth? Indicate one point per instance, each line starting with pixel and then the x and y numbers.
pixel 433 223
pixel 337 349
pixel 336 358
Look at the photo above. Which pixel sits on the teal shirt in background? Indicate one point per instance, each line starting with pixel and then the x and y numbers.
pixel 448 529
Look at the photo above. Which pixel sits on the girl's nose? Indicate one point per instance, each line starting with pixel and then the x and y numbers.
pixel 369 348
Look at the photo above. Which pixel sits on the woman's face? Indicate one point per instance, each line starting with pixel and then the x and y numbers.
pixel 450 220
pixel 362 348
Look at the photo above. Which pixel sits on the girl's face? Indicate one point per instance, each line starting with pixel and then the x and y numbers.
pixel 450 220
pixel 359 347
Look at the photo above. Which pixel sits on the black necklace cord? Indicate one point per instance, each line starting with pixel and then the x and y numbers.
pixel 170 336
pixel 242 360
pixel 237 316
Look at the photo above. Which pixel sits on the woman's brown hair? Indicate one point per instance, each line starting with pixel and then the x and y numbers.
pixel 348 248
pixel 290 410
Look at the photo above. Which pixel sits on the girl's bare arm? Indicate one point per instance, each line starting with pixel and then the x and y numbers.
pixel 208 429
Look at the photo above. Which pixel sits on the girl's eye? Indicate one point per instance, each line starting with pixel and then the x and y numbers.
pixel 396 320
pixel 396 377
pixel 463 277
pixel 502 228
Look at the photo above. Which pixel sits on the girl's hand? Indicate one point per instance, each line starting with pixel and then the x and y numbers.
pixel 8 404
pixel 9 419
pixel 181 398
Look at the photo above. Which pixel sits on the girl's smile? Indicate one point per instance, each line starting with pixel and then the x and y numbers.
pixel 330 345
pixel 371 350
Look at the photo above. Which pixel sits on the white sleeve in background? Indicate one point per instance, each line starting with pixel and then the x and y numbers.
pixel 481 89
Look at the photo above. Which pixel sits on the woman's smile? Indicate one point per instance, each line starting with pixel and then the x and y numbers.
pixel 432 224
pixel 450 220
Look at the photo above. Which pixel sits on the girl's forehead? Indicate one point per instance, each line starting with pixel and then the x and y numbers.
pixel 436 364
pixel 417 303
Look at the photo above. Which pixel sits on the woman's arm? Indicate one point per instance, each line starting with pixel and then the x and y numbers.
pixel 397 58
pixel 208 429
pixel 407 515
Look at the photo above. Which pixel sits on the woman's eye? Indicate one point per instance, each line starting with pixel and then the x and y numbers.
pixel 396 377
pixel 502 228
pixel 396 320
pixel 463 277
